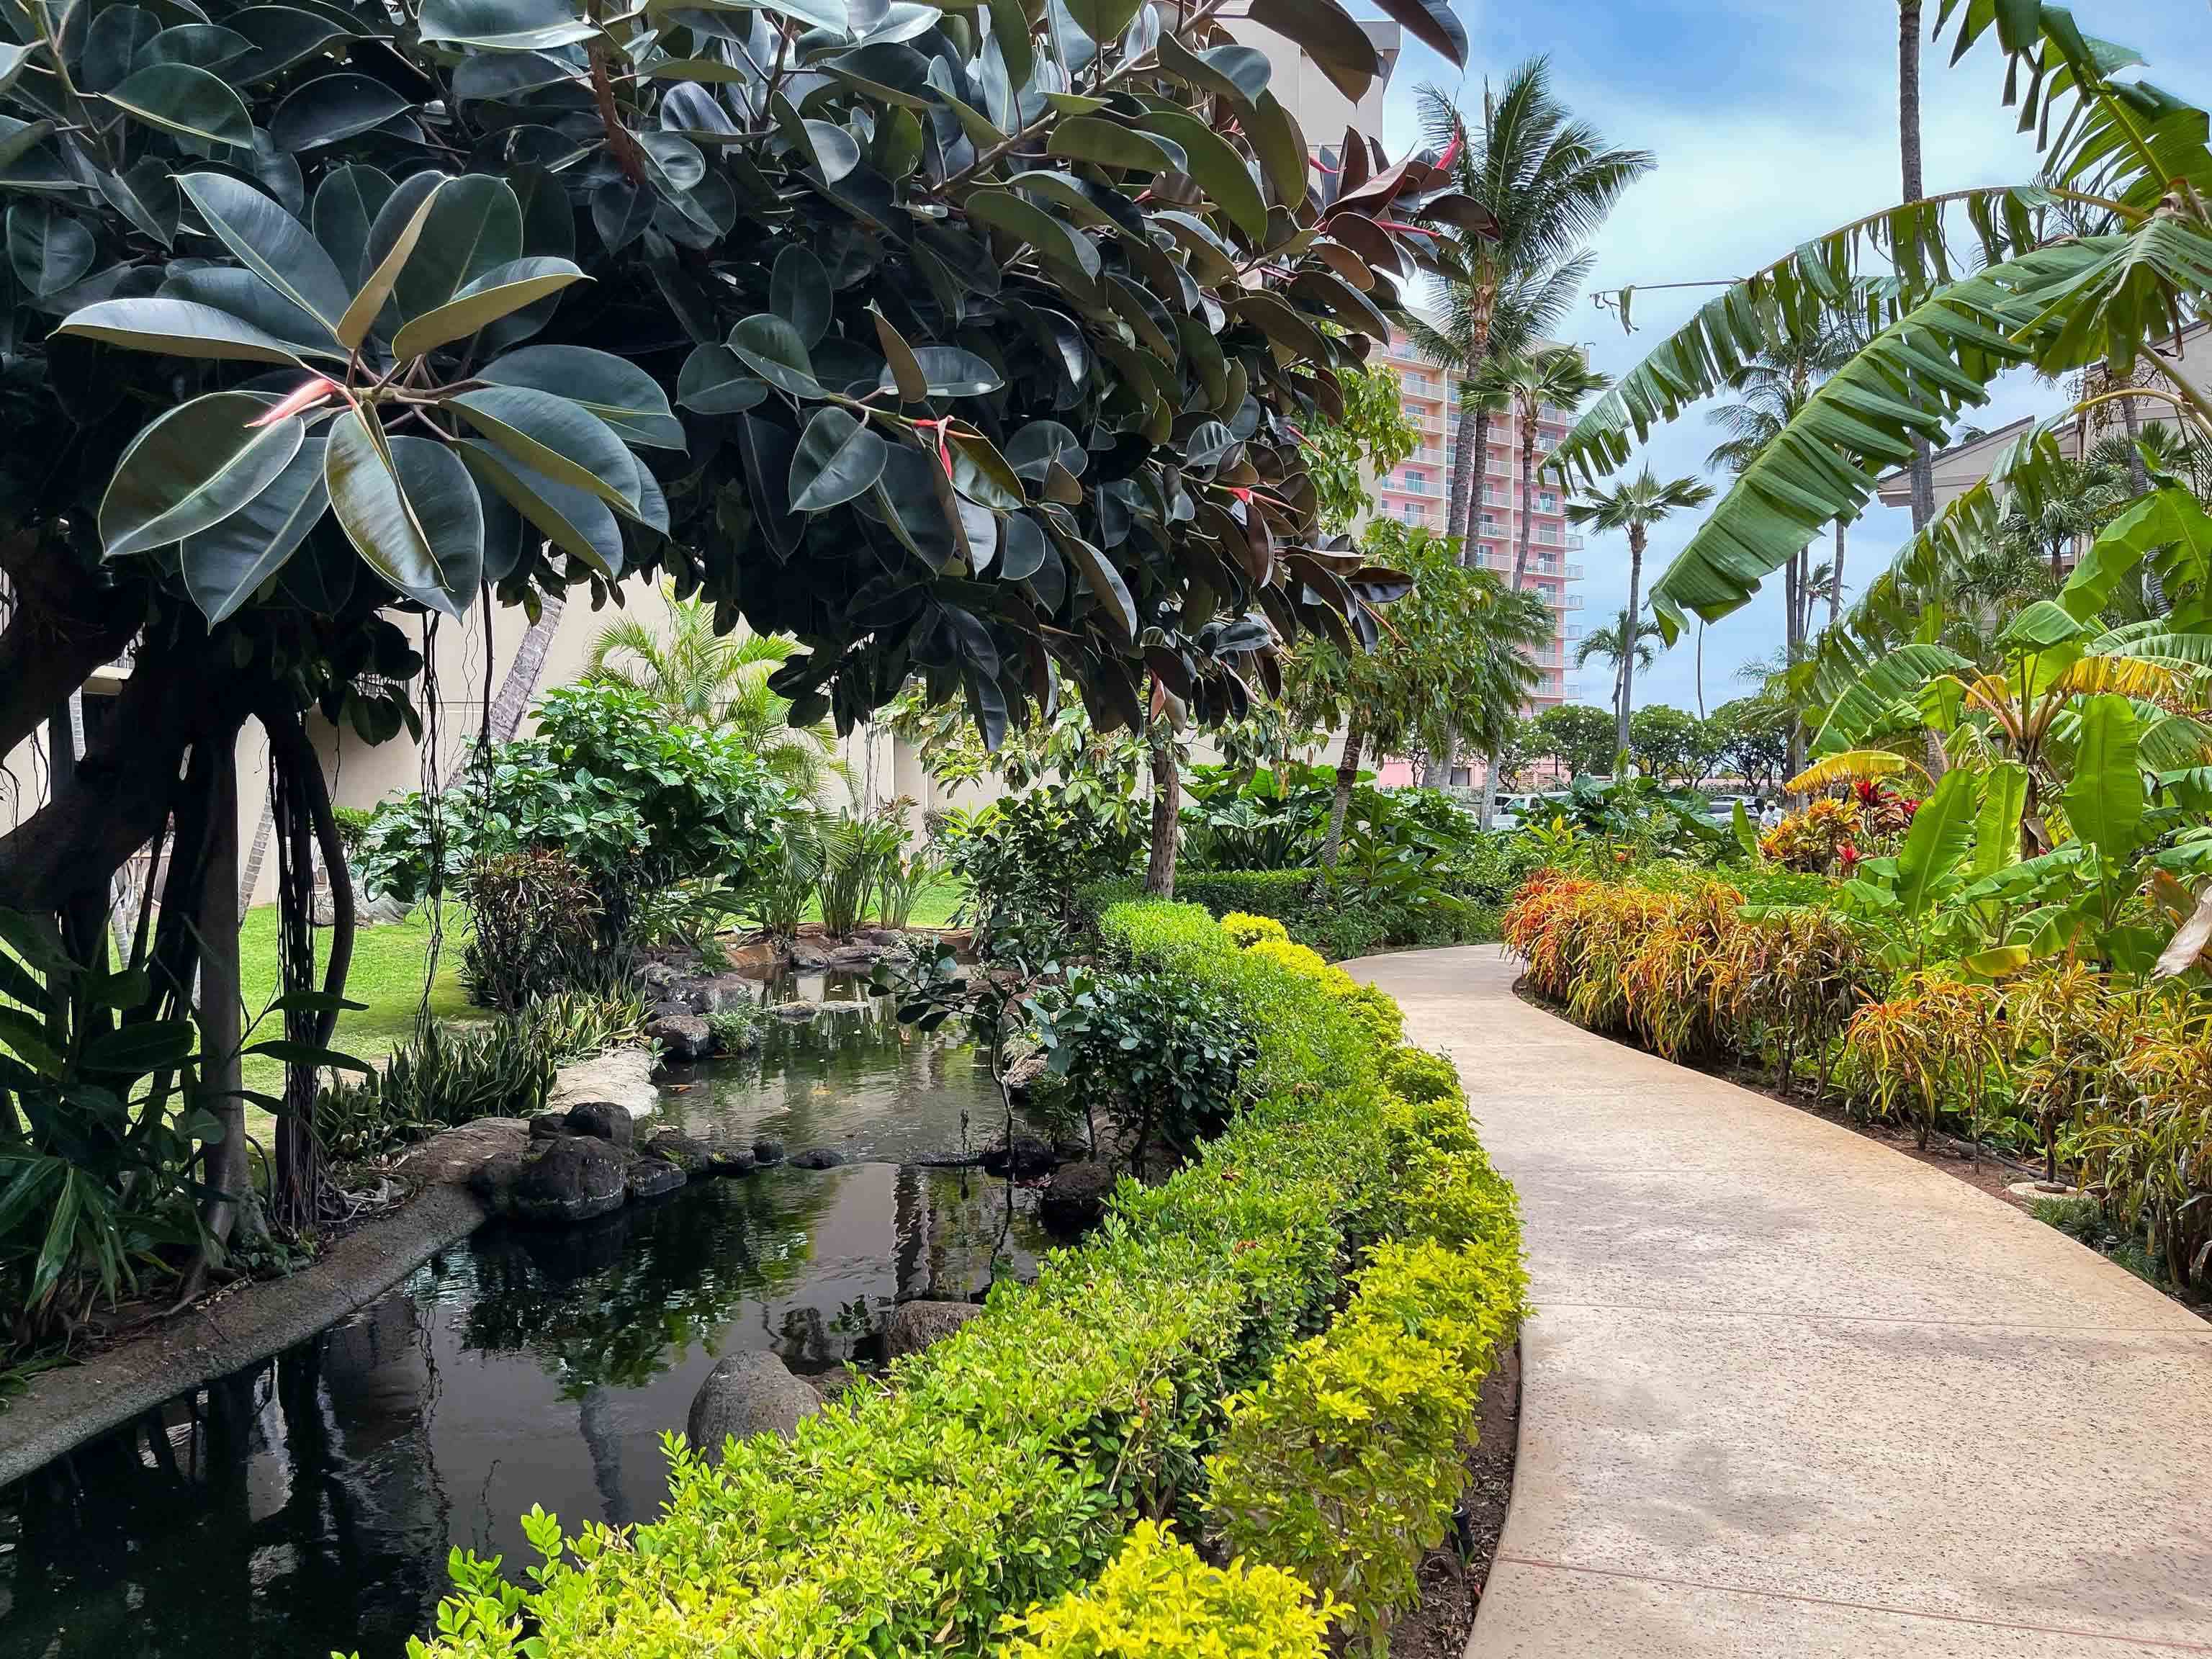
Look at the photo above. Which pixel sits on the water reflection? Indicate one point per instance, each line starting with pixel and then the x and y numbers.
pixel 307 1505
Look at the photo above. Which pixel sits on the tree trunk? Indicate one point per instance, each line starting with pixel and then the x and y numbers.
pixel 1836 582
pixel 1489 788
pixel 1628 645
pixel 1167 812
pixel 2154 588
pixel 1908 154
pixel 222 1030
pixel 1459 507
pixel 1347 775
pixel 521 685
pixel 1527 477
pixel 1701 668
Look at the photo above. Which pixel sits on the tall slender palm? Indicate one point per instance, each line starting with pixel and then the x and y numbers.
pixel 719 681
pixel 1634 507
pixel 1611 643
pixel 1556 376
pixel 1548 181
pixel 1908 158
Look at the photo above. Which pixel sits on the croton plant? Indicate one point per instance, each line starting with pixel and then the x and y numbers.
pixel 960 341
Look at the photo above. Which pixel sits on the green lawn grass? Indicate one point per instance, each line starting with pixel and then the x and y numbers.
pixel 387 974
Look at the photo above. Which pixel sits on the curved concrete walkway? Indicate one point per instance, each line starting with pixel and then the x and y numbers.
pixel 1790 1393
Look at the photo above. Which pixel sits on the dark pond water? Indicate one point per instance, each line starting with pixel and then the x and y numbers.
pixel 307 1505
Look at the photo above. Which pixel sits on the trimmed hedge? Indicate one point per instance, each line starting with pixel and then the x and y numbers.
pixel 1002 1469
pixel 1340 923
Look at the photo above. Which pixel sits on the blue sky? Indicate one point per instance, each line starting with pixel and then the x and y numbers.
pixel 1772 120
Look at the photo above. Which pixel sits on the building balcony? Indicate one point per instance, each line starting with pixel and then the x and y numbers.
pixel 1574 601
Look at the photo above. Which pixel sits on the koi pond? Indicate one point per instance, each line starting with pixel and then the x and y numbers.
pixel 307 1505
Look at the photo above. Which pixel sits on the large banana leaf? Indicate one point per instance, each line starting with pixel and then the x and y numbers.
pixel 2105 797
pixel 1942 830
pixel 1865 706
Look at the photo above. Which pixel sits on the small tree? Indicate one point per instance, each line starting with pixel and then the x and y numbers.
pixel 1672 744
pixel 1454 654
pixel 1574 738
pixel 1754 738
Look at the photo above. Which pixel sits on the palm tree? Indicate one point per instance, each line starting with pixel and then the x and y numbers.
pixel 1908 156
pixel 1771 389
pixel 1610 642
pixel 1554 376
pixel 1548 181
pixel 1635 507
pixel 719 681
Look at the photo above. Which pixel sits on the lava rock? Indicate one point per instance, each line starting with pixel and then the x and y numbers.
pixel 687 1152
pixel 818 1157
pixel 571 1179
pixel 1027 1154
pixel 767 1150
pixel 797 1010
pixel 726 1159
pixel 681 1034
pixel 649 1177
pixel 852 959
pixel 746 1394
pixel 603 1120
pixel 808 958
pixel 494 1181
pixel 914 1325
pixel 1075 1198
pixel 1027 1068
pixel 549 1126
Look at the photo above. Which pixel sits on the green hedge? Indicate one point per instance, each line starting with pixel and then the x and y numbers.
pixel 1000 1471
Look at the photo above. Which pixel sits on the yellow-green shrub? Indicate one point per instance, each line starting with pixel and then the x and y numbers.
pixel 1159 1601
pixel 1415 1074
pixel 1250 930
pixel 1345 1465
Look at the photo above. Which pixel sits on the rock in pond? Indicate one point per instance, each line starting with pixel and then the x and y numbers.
pixel 571 1179
pixel 914 1325
pixel 818 1157
pixel 1029 1155
pixel 603 1120
pixel 767 1150
pixel 453 1156
pixel 622 1076
pixel 681 1034
pixel 797 1010
pixel 746 1394
pixel 548 1126
pixel 687 1152
pixel 649 1177
pixel 1075 1198
pixel 727 1158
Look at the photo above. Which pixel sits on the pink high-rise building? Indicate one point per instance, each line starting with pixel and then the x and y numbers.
pixel 1416 491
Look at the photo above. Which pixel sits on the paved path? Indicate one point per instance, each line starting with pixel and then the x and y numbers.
pixel 1788 1393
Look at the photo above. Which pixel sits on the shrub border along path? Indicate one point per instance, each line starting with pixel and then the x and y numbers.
pixel 1791 1392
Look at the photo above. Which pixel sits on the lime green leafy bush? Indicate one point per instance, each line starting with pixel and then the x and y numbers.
pixel 1159 1601
pixel 1003 1468
pixel 1251 929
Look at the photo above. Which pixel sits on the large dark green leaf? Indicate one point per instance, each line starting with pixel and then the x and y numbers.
pixel 226 563
pixel 771 348
pixel 369 493
pixel 950 372
pixel 551 434
pixel 181 99
pixel 344 213
pixel 145 193
pixel 207 45
pixel 1864 709
pixel 1941 832
pixel 837 458
pixel 443 497
pixel 194 467
pixel 269 242
pixel 47 248
pixel 799 292
pixel 246 297
pixel 504 25
pixel 1103 20
pixel 577 523
pixel 1219 170
pixel 625 396
pixel 1331 37
pixel 475 227
pixel 177 328
pixel 116 43
pixel 1025 221
pixel 333 108
pixel 505 288
pixel 1093 139
pixel 1432 23
pixel 282 36
pixel 373 293
pixel 1281 148
pixel 1010 27
pixel 714 380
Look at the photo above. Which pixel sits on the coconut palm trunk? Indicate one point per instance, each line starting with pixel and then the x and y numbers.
pixel 521 685
pixel 1636 534
pixel 1347 775
pixel 1835 580
pixel 1908 154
